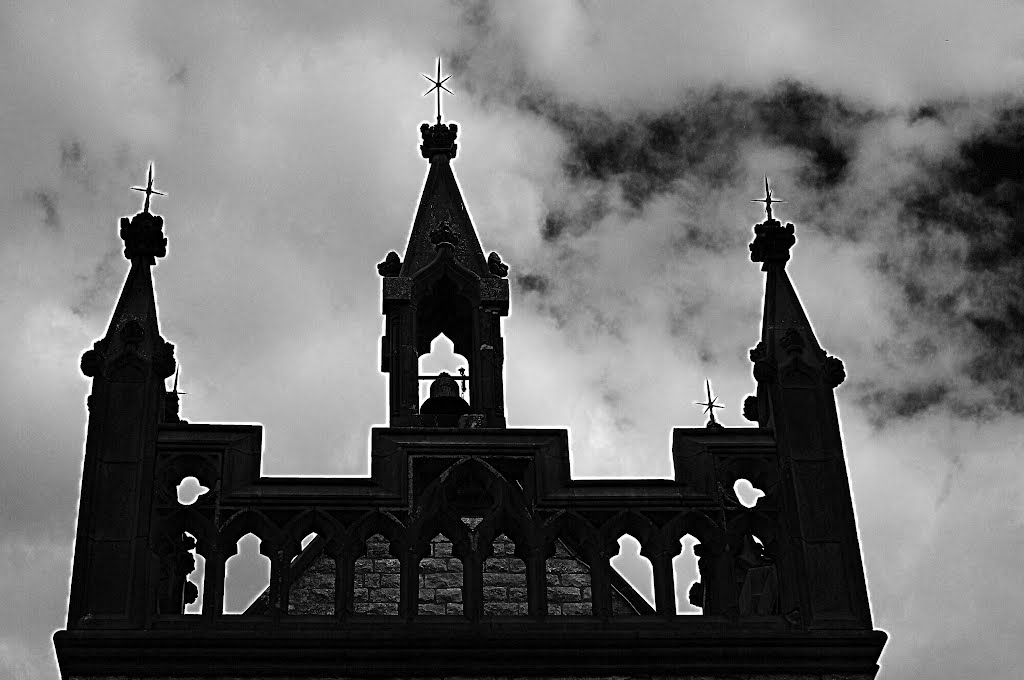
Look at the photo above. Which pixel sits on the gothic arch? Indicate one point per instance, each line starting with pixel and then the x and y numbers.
pixel 696 524
pixel 316 520
pixel 574 529
pixel 636 525
pixel 440 521
pixel 249 522
pixel 188 519
pixel 376 522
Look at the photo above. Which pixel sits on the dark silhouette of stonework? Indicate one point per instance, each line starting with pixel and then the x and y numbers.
pixel 470 551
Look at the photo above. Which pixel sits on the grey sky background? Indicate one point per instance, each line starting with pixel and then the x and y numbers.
pixel 608 153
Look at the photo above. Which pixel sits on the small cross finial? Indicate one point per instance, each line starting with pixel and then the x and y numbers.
pixel 149 190
pixel 710 406
pixel 767 200
pixel 438 85
pixel 175 388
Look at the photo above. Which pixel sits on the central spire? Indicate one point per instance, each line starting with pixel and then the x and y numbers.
pixel 444 285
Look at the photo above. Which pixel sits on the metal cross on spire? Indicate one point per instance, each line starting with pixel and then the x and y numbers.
pixel 149 190
pixel 175 388
pixel 438 84
pixel 767 200
pixel 710 405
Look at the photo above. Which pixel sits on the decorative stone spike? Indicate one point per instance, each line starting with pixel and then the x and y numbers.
pixel 439 140
pixel 143 237
pixel 391 266
pixel 835 372
pixel 496 266
pixel 771 243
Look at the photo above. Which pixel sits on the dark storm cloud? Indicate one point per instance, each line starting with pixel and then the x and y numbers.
pixel 975 197
pixel 702 136
pixel 532 283
pixel 825 127
pixel 976 192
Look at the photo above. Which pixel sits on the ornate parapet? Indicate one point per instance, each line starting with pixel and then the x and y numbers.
pixel 490 521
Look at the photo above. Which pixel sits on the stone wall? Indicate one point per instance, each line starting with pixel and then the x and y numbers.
pixel 313 592
pixel 568 582
pixel 377 581
pixel 440 580
pixel 504 581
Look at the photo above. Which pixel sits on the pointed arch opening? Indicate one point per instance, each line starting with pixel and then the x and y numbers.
pixel 689 588
pixel 246 575
pixel 192 589
pixel 311 579
pixel 637 574
pixel 442 357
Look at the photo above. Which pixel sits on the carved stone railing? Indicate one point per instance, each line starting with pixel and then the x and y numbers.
pixel 474 486
pixel 487 527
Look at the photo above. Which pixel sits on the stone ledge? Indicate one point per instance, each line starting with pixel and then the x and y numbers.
pixel 449 646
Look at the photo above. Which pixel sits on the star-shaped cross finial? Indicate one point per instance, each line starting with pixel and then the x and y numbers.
pixel 149 190
pixel 438 84
pixel 767 200
pixel 710 405
pixel 175 388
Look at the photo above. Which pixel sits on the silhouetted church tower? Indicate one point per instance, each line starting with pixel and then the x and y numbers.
pixel 470 551
pixel 444 285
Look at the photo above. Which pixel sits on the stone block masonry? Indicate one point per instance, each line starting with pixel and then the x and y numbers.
pixel 568 583
pixel 377 579
pixel 440 578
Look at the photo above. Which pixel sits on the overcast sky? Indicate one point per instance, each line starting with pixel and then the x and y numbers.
pixel 608 152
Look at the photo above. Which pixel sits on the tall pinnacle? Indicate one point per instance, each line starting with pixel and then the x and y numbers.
pixel 438 85
pixel 149 190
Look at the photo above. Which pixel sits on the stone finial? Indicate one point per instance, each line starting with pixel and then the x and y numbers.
pixel 143 237
pixel 391 265
pixel 439 140
pixel 496 266
pixel 771 243
pixel 835 372
pixel 750 408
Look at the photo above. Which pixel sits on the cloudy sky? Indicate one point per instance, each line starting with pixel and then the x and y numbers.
pixel 609 154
